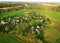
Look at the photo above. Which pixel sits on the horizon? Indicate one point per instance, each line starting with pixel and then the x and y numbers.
pixel 55 1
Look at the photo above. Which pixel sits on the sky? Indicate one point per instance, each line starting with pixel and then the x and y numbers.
pixel 31 0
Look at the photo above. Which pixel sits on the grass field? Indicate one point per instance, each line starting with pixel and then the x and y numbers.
pixel 4 38
pixel 51 32
pixel 55 15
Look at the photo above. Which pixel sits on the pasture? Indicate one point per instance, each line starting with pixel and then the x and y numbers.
pixel 51 33
pixel 55 15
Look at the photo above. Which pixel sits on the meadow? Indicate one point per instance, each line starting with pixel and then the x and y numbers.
pixel 51 33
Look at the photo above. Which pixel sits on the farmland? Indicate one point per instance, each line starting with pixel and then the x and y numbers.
pixel 49 34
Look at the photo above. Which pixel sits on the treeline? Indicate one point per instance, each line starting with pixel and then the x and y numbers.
pixel 6 7
pixel 9 4
pixel 2 10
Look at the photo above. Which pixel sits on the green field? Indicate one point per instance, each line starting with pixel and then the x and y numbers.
pixel 55 15
pixel 52 34
pixel 4 38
